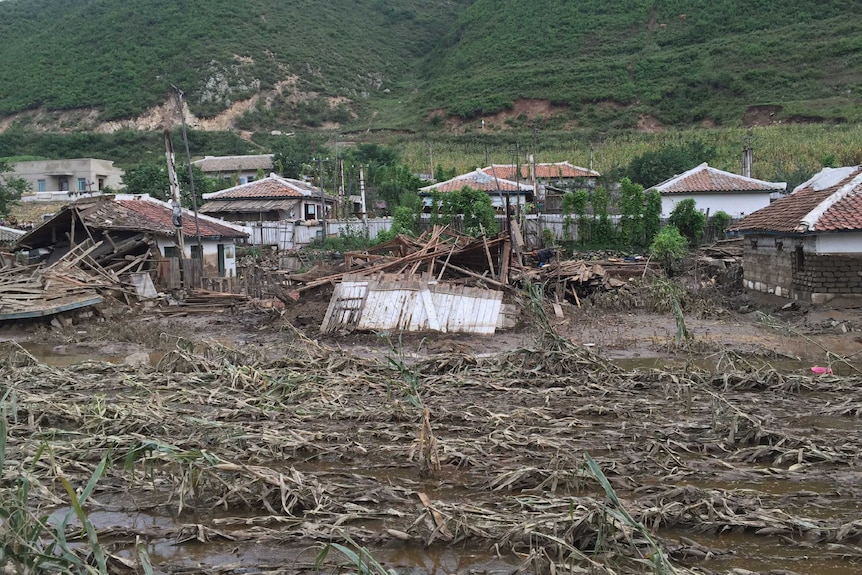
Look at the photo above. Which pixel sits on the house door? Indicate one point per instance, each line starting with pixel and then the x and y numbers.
pixel 221 266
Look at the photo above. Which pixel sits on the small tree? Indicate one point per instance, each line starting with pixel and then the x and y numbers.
pixel 632 212
pixel 720 221
pixel 292 154
pixel 688 220
pixel 575 203
pixel 152 179
pixel 11 189
pixel 669 248
pixel 476 208
pixel 652 215
pixel 651 168
pixel 603 230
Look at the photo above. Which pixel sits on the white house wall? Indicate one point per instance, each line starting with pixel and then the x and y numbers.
pixel 737 205
pixel 839 243
pixel 210 249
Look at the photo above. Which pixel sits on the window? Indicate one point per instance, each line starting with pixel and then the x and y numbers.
pixel 101 184
pixel 82 184
pixel 799 257
pixel 64 185
pixel 196 252
pixel 172 252
pixel 310 212
pixel 40 186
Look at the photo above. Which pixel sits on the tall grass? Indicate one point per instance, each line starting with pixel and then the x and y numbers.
pixel 29 543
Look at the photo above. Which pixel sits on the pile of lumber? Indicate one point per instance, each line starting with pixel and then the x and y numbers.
pixel 574 279
pixel 723 249
pixel 73 281
pixel 437 254
pixel 205 301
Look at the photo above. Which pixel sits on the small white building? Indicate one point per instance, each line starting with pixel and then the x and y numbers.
pixel 242 169
pixel 808 245
pixel 716 190
pixel 65 178
pixel 270 199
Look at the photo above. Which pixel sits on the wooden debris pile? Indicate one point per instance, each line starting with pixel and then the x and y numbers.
pixel 574 279
pixel 205 301
pixel 73 281
pixel 438 254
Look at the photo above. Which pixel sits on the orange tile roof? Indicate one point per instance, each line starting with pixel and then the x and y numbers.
pixel 272 186
pixel 706 179
pixel 477 180
pixel 147 214
pixel 830 201
pixel 544 171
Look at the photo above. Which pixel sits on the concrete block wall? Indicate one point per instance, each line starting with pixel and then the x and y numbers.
pixel 772 265
pixel 768 269
pixel 830 274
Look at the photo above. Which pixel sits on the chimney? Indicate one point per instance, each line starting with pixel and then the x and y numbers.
pixel 747 157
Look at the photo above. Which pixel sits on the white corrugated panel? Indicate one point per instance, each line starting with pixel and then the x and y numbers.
pixel 411 305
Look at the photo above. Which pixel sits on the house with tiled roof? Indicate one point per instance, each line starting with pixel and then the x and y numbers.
pixel 503 192
pixel 808 245
pixel 552 180
pixel 548 173
pixel 271 199
pixel 715 190
pixel 135 225
pixel 241 169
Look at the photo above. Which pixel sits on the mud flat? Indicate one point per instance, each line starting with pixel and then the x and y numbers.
pixel 541 458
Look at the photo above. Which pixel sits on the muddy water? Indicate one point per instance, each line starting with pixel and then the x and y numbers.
pixel 68 355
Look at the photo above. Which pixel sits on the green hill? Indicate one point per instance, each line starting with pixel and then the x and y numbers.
pixel 414 63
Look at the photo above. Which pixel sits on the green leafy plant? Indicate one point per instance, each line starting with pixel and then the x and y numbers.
pixel 631 213
pixel 474 206
pixel 720 221
pixel 688 220
pixel 28 541
pixel 669 248
pixel 11 188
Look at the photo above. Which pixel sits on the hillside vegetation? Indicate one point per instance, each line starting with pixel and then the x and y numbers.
pixel 419 63
pixel 680 61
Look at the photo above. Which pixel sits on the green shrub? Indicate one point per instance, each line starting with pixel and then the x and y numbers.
pixel 688 220
pixel 669 247
pixel 720 221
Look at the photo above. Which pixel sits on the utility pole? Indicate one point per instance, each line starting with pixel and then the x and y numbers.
pixel 176 206
pixel 322 198
pixel 191 173
pixel 747 156
pixel 362 196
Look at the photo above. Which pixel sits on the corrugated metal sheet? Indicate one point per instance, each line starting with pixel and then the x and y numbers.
pixel 398 304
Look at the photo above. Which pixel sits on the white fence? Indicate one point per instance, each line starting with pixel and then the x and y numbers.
pixel 288 235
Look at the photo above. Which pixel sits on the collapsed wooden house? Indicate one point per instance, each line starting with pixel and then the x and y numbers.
pixel 122 244
pixel 442 281
pixel 446 282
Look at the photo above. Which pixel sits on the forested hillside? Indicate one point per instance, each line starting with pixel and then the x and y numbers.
pixel 683 62
pixel 414 63
pixel 121 56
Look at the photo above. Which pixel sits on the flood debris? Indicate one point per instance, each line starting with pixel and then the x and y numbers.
pixel 322 446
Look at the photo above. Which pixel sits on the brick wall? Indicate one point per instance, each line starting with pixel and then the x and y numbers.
pixel 789 267
pixel 831 274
